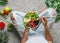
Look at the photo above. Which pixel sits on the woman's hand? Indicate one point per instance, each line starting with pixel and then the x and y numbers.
pixel 25 35
pixel 47 32
pixel 44 21
pixel 26 32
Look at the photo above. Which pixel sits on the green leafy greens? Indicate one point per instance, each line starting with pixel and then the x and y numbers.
pixel 30 16
pixel 56 5
pixel 3 2
pixel 3 37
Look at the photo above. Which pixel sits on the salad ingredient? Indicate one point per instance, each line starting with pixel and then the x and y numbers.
pixel 1 12
pixel 56 5
pixel 3 2
pixel 26 20
pixel 6 8
pixel 10 27
pixel 31 15
pixel 3 37
pixel 5 12
pixel 2 25
pixel 32 25
pixel 29 19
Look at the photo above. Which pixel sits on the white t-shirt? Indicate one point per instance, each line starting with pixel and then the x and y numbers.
pixel 36 39
pixel 19 17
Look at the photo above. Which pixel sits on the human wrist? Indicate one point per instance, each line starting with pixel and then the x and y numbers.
pixel 25 35
pixel 45 26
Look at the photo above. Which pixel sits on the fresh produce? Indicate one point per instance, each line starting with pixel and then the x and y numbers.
pixel 30 19
pixel 56 5
pixel 2 25
pixel 3 2
pixel 10 27
pixel 31 24
pixel 1 11
pixel 5 12
pixel 3 37
pixel 31 15
pixel 6 8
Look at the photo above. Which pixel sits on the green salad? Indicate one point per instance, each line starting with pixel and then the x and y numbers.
pixel 30 17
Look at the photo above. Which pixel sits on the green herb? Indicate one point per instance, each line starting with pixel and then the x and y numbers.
pixel 3 37
pixel 3 2
pixel 56 5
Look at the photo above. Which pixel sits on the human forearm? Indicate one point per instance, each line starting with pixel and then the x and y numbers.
pixel 26 33
pixel 23 40
pixel 48 35
pixel 25 36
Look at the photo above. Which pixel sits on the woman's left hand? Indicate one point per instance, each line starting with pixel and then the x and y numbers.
pixel 26 31
pixel 25 35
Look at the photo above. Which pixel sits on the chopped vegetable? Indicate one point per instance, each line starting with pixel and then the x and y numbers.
pixel 3 37
pixel 2 25
pixel 32 25
pixel 30 17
